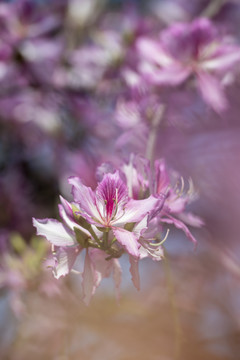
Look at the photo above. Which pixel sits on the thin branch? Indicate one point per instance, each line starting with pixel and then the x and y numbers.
pixel 212 8
pixel 153 132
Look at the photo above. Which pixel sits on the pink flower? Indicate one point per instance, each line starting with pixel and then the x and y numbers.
pixel 176 201
pixel 65 239
pixel 95 269
pixel 110 209
pixel 151 246
pixel 105 222
pixel 189 49
pixel 108 222
pixel 168 187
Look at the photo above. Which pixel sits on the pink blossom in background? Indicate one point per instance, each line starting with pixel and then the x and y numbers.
pixel 189 49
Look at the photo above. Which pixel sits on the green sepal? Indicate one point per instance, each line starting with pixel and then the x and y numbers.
pixel 82 222
pixel 129 226
pixel 79 219
pixel 81 237
pixel 103 229
pixel 75 210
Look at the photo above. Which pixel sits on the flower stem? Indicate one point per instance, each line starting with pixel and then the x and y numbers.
pixel 153 132
pixel 213 8
pixel 94 235
pixel 105 240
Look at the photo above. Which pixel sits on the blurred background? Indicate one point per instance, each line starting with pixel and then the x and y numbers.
pixel 63 66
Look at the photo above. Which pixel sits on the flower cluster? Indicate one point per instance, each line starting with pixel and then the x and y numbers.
pixel 123 215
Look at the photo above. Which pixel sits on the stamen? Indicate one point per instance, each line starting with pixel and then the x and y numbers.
pixel 105 209
pixel 180 191
pixel 191 189
pixel 53 249
pixel 115 211
pixel 75 272
pixel 116 206
pixel 162 241
pixel 165 237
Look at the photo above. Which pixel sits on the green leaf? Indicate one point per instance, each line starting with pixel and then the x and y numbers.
pixel 79 219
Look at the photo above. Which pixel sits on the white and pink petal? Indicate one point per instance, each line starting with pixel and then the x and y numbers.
pixel 101 265
pixel 153 52
pixel 180 225
pixel 134 271
pixel 117 276
pixel 224 61
pixel 89 279
pixel 136 210
pixel 66 213
pixel 212 91
pixel 55 232
pixel 85 198
pixel 64 260
pixel 128 240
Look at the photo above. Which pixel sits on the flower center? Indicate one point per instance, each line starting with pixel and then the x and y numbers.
pixel 111 207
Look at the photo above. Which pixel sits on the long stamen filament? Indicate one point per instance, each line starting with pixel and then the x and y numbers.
pixel 162 241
